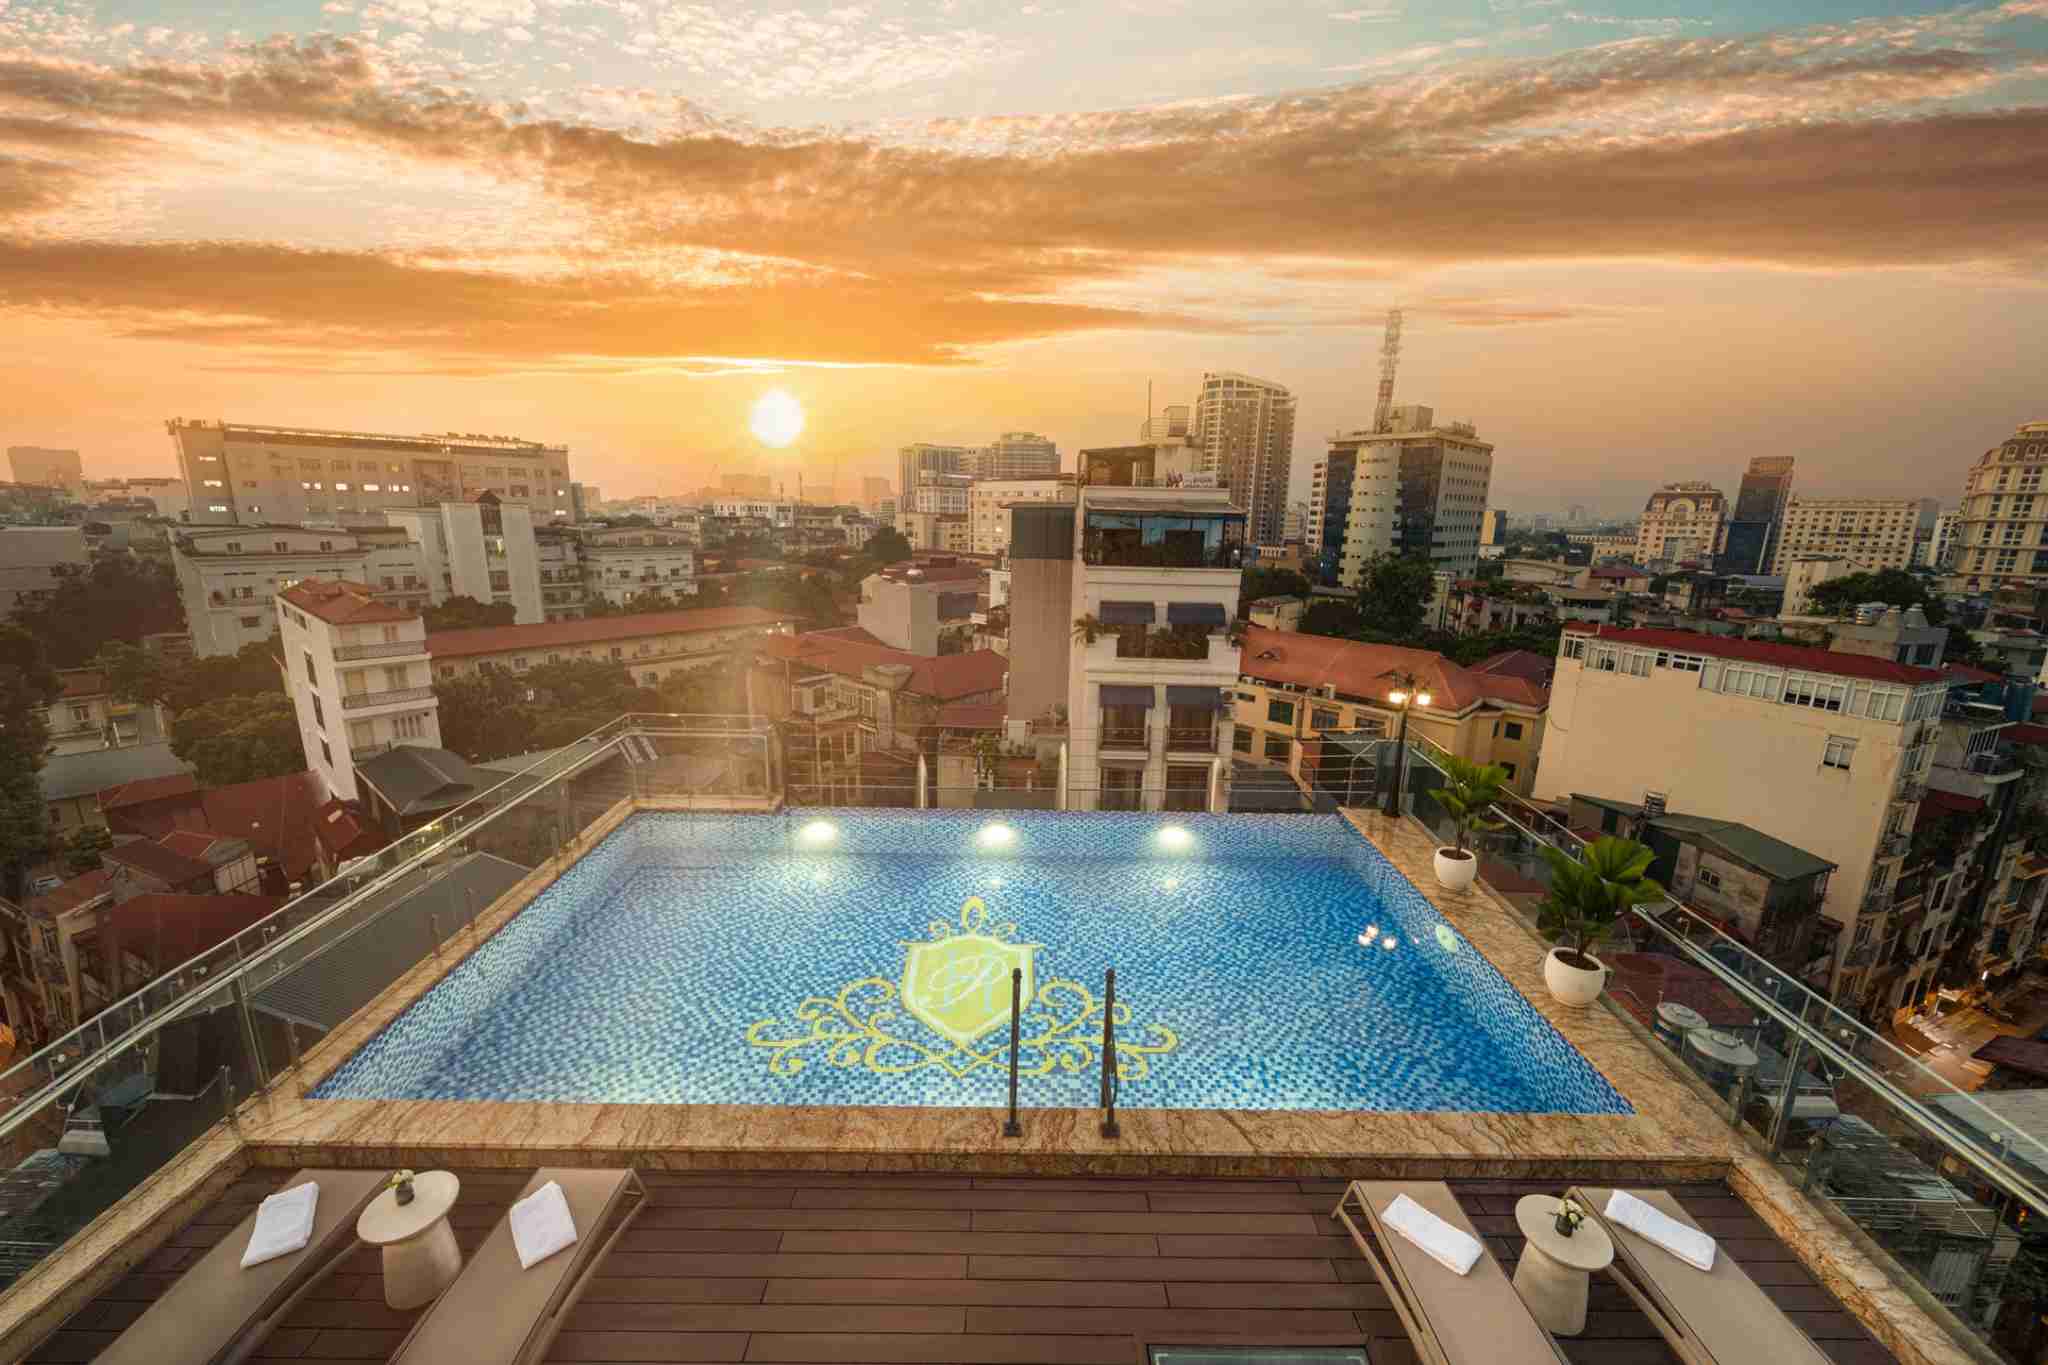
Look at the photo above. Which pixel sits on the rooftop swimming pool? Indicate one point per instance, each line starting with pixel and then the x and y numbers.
pixel 865 957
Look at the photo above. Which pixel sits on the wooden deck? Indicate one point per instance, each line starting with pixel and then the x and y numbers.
pixel 902 1269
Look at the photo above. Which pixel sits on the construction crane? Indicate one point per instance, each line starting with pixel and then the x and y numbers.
pixel 1390 356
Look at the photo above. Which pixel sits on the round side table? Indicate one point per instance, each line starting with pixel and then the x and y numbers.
pixel 1554 1271
pixel 420 1255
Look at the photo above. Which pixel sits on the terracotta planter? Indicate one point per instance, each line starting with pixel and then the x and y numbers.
pixel 1569 985
pixel 1454 870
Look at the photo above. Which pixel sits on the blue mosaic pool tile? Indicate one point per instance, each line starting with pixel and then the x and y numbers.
pixel 636 976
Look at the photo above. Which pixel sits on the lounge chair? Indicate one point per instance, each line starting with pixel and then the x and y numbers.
pixel 1452 1319
pixel 218 1313
pixel 498 1314
pixel 1708 1317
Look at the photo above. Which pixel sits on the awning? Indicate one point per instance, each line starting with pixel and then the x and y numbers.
pixel 1195 614
pixel 1128 613
pixel 1120 694
pixel 1209 697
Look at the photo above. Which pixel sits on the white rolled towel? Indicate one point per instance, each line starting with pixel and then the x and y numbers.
pixel 1455 1250
pixel 541 1225
pixel 1652 1224
pixel 284 1224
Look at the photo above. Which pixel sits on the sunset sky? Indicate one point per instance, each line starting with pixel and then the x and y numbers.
pixel 1634 242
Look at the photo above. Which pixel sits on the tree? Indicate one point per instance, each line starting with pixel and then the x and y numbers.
pixel 1339 619
pixel 1894 587
pixel 142 675
pixel 82 850
pixel 886 546
pixel 1258 583
pixel 466 613
pixel 485 715
pixel 239 739
pixel 1393 597
pixel 27 685
pixel 115 598
pixel 1588 893
pixel 1468 793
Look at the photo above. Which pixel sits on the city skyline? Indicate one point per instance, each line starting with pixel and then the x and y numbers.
pixel 1817 239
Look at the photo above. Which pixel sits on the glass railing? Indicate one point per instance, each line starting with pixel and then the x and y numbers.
pixel 1950 1192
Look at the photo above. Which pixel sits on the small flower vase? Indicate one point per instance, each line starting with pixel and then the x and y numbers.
pixel 1566 1224
pixel 403 1189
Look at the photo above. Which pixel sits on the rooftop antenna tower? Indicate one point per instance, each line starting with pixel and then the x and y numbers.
pixel 1390 356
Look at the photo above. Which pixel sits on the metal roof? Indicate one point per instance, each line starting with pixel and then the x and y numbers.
pixel 64 776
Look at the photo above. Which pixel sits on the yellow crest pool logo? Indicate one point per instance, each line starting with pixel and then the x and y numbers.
pixel 956 983
pixel 959 986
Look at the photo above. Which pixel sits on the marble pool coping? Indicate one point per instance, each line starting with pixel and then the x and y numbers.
pixel 1672 1135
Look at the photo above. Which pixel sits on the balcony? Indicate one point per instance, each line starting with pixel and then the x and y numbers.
pixel 1995 766
pixel 1122 735
pixel 396 649
pixel 1191 739
pixel 1173 642
pixel 361 701
pixel 1893 845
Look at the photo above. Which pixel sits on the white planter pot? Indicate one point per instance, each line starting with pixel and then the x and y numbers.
pixel 1455 873
pixel 1571 985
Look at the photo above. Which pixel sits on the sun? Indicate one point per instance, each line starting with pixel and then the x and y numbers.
pixel 777 418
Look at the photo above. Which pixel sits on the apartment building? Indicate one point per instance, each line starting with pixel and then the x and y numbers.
pixel 1936 549
pixel 51 468
pixel 229 576
pixel 650 645
pixel 912 605
pixel 169 497
pixel 989 500
pixel 1602 547
pixel 1016 455
pixel 1293 688
pixel 1329 512
pixel 33 559
pixel 849 698
pixel 1750 543
pixel 1827 751
pixel 774 512
pixel 359 676
pixel 2001 536
pixel 254 474
pixel 483 550
pixel 1682 522
pixel 1244 429
pixel 621 562
pixel 1879 532
pixel 1419 489
pixel 946 532
pixel 86 716
pixel 934 478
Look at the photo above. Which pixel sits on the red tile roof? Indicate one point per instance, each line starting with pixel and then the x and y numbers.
pixel 82 682
pixel 1965 673
pixel 1519 663
pixel 277 815
pixel 73 893
pixel 930 571
pixel 1807 657
pixel 190 843
pixel 339 602
pixel 459 644
pixel 148 789
pixel 1358 669
pixel 169 928
pixel 946 677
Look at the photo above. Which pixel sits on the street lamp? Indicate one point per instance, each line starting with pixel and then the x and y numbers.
pixel 1406 693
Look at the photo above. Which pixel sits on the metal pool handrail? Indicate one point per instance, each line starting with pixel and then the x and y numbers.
pixel 1993 1166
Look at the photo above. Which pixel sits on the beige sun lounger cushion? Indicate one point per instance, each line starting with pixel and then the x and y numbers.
pixel 498 1314
pixel 1452 1319
pixel 218 1311
pixel 1708 1317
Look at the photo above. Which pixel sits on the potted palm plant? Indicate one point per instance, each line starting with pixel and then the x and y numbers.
pixel 1469 791
pixel 1587 894
pixel 1088 627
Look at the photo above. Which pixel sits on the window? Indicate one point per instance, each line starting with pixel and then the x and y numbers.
pixel 1511 729
pixel 1241 739
pixel 312 674
pixel 234 547
pixel 1280 712
pixel 326 754
pixel 1323 718
pixel 411 726
pixel 1509 769
pixel 1277 747
pixel 1818 693
pixel 1709 878
pixel 319 716
pixel 1840 749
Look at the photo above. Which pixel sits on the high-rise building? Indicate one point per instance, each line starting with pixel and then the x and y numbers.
pixel 242 473
pixel 933 478
pixel 1751 539
pixel 1419 489
pixel 480 550
pixel 1329 511
pixel 1878 532
pixel 1681 522
pixel 1244 428
pixel 989 502
pixel 1016 455
pixel 1493 528
pixel 873 490
pixel 50 468
pixel 1936 549
pixel 2002 527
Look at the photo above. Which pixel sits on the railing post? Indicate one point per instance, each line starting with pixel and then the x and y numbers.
pixel 291 1042
pixel 1011 1128
pixel 1109 1078
pixel 434 929
pixel 239 991
pixel 227 1099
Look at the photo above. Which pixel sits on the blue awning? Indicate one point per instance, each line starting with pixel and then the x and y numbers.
pixel 1121 694
pixel 1128 613
pixel 1195 614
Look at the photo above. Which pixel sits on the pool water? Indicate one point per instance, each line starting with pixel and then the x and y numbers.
pixel 861 957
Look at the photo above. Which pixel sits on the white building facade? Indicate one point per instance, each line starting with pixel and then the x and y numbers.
pixel 359 675
pixel 988 501
pixel 1879 532
pixel 229 576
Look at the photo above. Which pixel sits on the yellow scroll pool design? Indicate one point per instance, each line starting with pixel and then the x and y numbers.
pixel 957 985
